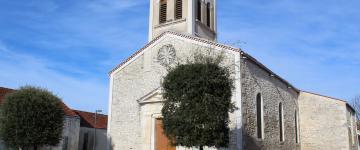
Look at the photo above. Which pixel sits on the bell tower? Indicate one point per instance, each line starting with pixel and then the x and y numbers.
pixel 193 17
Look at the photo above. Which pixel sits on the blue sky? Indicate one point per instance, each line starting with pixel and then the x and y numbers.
pixel 70 46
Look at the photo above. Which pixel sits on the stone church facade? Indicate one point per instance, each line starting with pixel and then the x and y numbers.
pixel 270 110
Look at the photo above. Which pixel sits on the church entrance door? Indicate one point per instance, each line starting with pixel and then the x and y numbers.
pixel 162 142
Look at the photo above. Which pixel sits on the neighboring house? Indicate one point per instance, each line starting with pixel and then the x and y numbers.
pixel 91 129
pixel 271 112
pixel 3 92
pixel 70 135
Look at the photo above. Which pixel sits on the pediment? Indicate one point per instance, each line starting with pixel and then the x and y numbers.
pixel 152 97
pixel 169 34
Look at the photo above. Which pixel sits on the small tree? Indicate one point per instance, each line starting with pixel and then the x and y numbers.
pixel 198 102
pixel 31 117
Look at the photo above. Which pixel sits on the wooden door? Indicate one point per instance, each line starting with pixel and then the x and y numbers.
pixel 162 142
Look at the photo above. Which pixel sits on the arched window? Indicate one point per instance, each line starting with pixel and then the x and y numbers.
pixel 259 116
pixel 163 11
pixel 178 9
pixel 208 14
pixel 351 128
pixel 198 16
pixel 281 122
pixel 296 127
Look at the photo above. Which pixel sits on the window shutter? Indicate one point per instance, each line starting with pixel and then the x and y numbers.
pixel 198 10
pixel 178 9
pixel 163 11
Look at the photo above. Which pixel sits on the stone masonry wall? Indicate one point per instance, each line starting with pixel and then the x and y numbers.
pixel 324 124
pixel 352 128
pixel 139 78
pixel 256 80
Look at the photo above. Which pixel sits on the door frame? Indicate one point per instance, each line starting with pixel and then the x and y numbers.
pixel 153 128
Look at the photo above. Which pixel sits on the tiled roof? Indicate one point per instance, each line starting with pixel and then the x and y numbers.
pixel 67 110
pixel 87 119
pixel 3 92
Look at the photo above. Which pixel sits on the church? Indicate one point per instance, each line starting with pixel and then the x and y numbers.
pixel 272 114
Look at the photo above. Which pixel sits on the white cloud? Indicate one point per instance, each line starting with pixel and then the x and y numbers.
pixel 23 69
pixel 69 48
pixel 3 48
pixel 314 46
pixel 114 5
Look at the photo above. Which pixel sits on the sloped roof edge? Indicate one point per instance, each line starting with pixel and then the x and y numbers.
pixel 88 119
pixel 249 57
pixel 333 98
pixel 206 41
pixel 198 39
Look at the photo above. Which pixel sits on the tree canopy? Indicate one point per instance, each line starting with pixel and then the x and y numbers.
pixel 31 117
pixel 197 104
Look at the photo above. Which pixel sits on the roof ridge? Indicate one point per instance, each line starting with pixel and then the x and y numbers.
pixel 324 96
pixel 75 110
pixel 6 88
pixel 87 119
pixel 333 98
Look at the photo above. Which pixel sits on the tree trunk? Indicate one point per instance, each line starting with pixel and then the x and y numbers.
pixel 201 148
pixel 35 147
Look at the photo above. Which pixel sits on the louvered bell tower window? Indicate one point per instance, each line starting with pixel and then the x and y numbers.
pixel 208 14
pixel 178 9
pixel 163 11
pixel 198 16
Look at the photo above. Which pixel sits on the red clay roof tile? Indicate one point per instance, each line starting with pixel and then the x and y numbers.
pixel 3 92
pixel 68 112
pixel 87 119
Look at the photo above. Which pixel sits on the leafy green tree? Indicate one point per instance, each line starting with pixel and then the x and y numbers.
pixel 31 117
pixel 198 102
